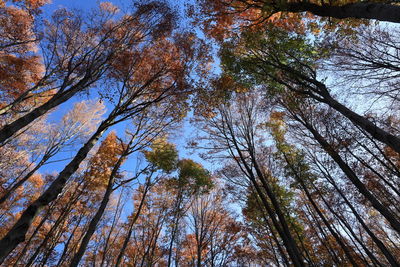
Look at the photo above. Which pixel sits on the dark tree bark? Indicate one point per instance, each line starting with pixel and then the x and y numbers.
pixel 360 10
pixel 321 215
pixel 11 190
pixel 352 175
pixel 10 129
pixel 18 232
pixel 375 131
pixel 131 225
pixel 97 217
pixel 391 259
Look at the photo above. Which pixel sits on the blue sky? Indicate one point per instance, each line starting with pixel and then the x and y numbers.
pixel 180 137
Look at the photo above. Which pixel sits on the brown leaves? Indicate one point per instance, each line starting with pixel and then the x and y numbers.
pixel 101 164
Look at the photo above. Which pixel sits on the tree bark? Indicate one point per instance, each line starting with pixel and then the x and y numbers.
pixel 388 255
pixel 353 177
pixel 18 232
pixel 14 187
pixel 10 129
pixel 376 132
pixel 360 10
pixel 97 217
pixel 128 236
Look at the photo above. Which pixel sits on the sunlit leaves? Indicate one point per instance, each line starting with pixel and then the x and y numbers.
pixel 163 155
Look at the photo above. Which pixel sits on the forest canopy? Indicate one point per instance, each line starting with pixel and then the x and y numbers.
pixel 200 133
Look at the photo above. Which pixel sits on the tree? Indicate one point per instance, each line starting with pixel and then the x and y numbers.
pixel 79 52
pixel 74 126
pixel 232 131
pixel 143 83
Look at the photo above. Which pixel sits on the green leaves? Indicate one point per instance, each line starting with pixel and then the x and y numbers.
pixel 163 155
pixel 193 174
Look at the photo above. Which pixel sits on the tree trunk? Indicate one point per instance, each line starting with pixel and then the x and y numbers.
pixel 287 239
pixel 10 129
pixel 175 227
pixel 17 233
pixel 278 210
pixel 22 181
pixel 128 236
pixel 327 224
pixel 360 10
pixel 392 260
pixel 376 132
pixel 353 177
pixel 97 217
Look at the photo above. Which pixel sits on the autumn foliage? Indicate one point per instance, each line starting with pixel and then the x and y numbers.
pixel 211 133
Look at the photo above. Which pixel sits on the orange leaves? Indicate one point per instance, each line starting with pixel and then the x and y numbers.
pixel 33 4
pixel 109 7
pixel 19 67
pixel 17 74
pixel 101 164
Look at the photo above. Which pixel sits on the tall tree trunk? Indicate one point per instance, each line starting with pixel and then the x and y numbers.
pixel 17 233
pixel 282 234
pixel 49 234
pixel 15 186
pixel 327 224
pixel 391 259
pixel 352 176
pixel 325 241
pixel 132 223
pixel 97 217
pixel 110 231
pixel 285 234
pixel 10 129
pixel 274 237
pixel 175 227
pixel 359 10
pixel 375 131
pixel 350 229
pixel 277 208
pixel 66 245
pixel 26 246
pixel 198 256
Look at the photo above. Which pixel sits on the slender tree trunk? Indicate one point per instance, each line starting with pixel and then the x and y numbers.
pixel 17 233
pixel 359 10
pixel 10 129
pixel 97 217
pixel 288 240
pixel 274 237
pixel 345 223
pixel 277 209
pixel 14 187
pixel 66 246
pixel 26 246
pixel 375 131
pixel 115 220
pixel 175 227
pixel 277 226
pixel 325 241
pixel 374 238
pixel 198 256
pixel 49 235
pixel 132 223
pixel 327 224
pixel 353 177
